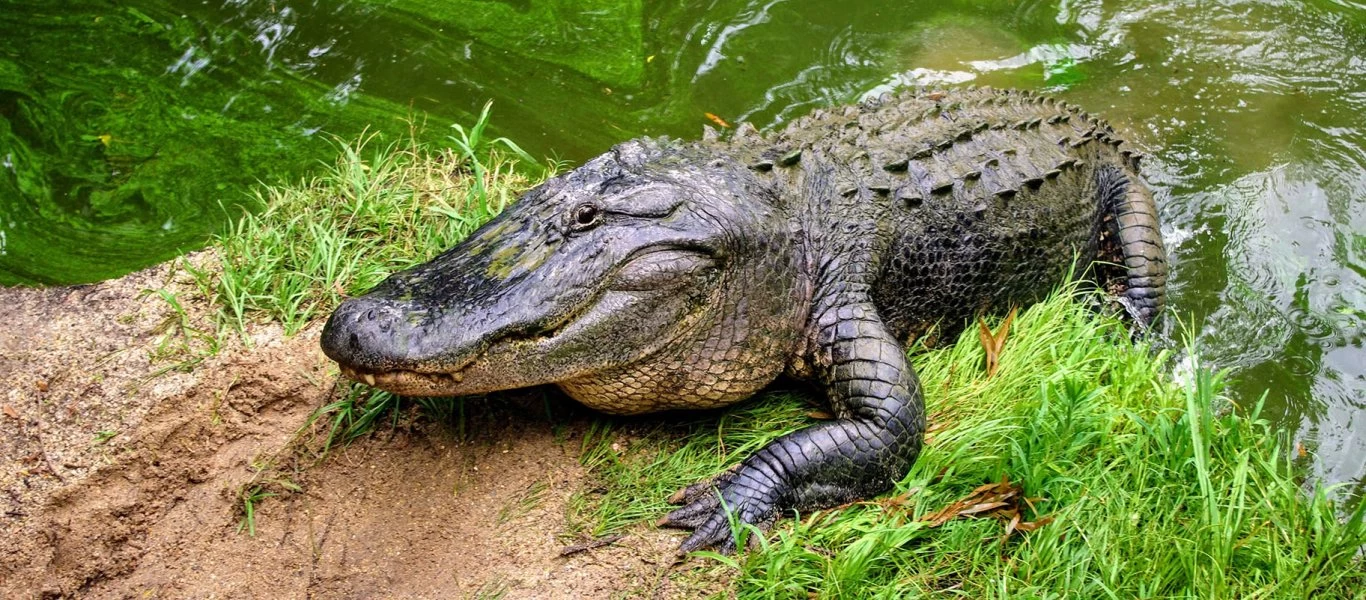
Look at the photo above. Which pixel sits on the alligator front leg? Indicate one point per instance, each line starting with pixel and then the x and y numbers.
pixel 873 442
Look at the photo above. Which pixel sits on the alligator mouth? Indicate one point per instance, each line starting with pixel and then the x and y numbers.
pixel 401 377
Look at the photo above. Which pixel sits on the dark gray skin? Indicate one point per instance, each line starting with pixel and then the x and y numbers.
pixel 673 275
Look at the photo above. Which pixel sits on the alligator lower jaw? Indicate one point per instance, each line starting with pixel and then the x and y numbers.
pixel 408 382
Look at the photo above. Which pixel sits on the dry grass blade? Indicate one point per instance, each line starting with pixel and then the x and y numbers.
pixel 718 120
pixel 590 545
pixel 1002 500
pixel 993 343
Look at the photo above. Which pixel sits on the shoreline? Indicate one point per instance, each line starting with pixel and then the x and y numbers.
pixel 149 413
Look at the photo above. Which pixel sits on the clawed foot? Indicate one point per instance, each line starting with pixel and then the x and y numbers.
pixel 709 507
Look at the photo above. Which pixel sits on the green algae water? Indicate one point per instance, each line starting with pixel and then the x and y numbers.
pixel 131 131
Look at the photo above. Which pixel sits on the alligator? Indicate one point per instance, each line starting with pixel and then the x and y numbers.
pixel 667 275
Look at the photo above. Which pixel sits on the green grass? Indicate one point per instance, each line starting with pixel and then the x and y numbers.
pixel 250 497
pixel 1141 484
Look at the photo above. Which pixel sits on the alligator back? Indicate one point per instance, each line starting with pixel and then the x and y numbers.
pixel 968 200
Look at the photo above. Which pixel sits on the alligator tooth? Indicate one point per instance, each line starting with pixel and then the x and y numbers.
pixel 849 191
pixel 1081 163
pixel 880 189
pixel 963 135
pixel 979 210
pixel 944 145
pixel 991 162
pixel 1034 123
pixel 1020 124
pixel 763 165
pixel 369 379
pixel 980 127
pixel 923 152
pixel 896 165
pixel 999 125
pixel 1052 173
pixel 1034 182
pixel 970 175
pixel 1006 192
pixel 1066 163
pixel 1053 120
pixel 1062 141
pixel 791 158
pixel 942 186
pixel 1081 141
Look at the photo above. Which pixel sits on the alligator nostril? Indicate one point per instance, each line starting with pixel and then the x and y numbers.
pixel 370 314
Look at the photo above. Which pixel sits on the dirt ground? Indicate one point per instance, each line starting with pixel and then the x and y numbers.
pixel 121 478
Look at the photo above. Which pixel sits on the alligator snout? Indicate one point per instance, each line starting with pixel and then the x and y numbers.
pixel 366 334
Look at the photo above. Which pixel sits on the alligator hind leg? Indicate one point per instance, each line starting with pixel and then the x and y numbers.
pixel 1132 239
pixel 873 442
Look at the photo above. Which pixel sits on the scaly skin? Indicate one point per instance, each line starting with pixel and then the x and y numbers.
pixel 666 275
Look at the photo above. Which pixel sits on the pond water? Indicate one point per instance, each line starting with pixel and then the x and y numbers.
pixel 131 130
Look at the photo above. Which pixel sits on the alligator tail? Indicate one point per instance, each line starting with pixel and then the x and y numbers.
pixel 1132 240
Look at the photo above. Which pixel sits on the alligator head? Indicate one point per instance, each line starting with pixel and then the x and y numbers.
pixel 640 258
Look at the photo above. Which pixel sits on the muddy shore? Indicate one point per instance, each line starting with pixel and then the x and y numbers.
pixel 122 473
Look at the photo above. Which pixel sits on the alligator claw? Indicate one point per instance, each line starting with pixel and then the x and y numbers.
pixel 709 507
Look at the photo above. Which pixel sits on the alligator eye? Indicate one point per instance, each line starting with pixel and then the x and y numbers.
pixel 585 216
